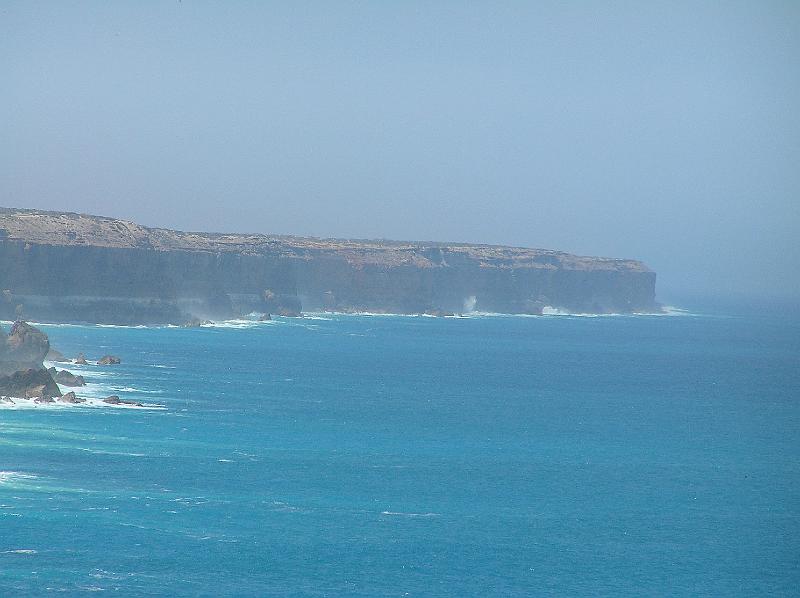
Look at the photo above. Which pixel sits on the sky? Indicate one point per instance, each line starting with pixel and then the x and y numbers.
pixel 663 131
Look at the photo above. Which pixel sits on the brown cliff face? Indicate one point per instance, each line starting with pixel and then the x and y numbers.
pixel 60 266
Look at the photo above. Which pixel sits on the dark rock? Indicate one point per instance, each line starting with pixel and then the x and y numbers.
pixel 80 359
pixel 533 308
pixel 29 383
pixel 285 305
pixel 25 347
pixel 109 360
pixel 55 355
pixel 115 400
pixel 43 399
pixel 71 398
pixel 22 374
pixel 265 318
pixel 66 378
pixel 195 323
pixel 36 392
pixel 439 313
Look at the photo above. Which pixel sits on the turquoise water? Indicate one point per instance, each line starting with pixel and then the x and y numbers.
pixel 394 456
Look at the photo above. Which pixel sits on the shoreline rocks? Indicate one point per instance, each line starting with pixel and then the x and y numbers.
pixel 56 355
pixel 71 398
pixel 66 378
pixel 115 400
pixel 24 379
pixel 195 323
pixel 22 371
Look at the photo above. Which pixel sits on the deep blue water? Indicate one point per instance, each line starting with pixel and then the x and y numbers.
pixel 393 456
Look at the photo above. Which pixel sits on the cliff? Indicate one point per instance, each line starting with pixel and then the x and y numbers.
pixel 75 267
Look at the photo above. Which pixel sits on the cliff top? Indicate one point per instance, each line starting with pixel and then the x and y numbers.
pixel 70 229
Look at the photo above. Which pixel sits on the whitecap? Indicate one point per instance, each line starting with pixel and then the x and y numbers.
pixel 7 477
pixel 15 404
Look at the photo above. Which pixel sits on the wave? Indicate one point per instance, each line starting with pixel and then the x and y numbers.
pixel 131 389
pixel 400 514
pixel 240 323
pixel 551 312
pixel 13 404
pixel 8 477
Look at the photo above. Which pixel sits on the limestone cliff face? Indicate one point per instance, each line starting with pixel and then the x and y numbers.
pixel 66 267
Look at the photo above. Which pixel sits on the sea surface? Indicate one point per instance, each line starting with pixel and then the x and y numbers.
pixel 345 455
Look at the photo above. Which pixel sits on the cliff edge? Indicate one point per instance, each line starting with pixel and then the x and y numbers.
pixel 60 266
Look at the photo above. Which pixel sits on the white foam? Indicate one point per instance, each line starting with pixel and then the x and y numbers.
pixel 20 551
pixel 240 323
pixel 14 404
pixel 400 514
pixel 7 477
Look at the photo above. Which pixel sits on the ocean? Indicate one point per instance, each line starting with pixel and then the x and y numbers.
pixel 358 455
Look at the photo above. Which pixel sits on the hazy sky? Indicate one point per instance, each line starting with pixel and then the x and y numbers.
pixel 668 132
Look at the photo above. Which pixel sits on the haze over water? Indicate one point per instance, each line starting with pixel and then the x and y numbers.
pixel 666 132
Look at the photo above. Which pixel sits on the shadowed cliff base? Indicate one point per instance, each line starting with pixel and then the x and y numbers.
pixel 73 267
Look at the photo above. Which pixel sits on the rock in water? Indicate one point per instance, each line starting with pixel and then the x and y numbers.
pixel 195 323
pixel 71 398
pixel 23 348
pixel 22 373
pixel 30 383
pixel 115 400
pixel 66 378
pixel 109 360
pixel 80 359
pixel 55 355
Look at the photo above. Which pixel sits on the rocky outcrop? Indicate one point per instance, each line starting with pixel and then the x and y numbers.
pixel 71 398
pixel 115 400
pixel 22 373
pixel 65 378
pixel 195 323
pixel 55 355
pixel 73 267
pixel 29 383
pixel 109 360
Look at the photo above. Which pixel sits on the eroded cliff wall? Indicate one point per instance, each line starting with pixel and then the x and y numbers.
pixel 71 267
